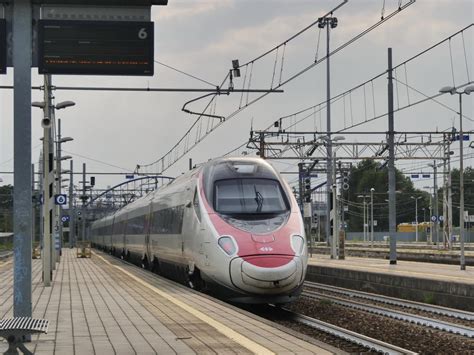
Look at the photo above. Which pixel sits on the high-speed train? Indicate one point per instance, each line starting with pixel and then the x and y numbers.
pixel 231 226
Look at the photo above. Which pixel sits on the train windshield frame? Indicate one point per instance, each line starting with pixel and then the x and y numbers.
pixel 249 196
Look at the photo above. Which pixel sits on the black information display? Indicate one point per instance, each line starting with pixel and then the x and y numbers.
pixel 95 47
pixel 3 46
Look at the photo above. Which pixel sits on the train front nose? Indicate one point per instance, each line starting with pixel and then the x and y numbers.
pixel 267 274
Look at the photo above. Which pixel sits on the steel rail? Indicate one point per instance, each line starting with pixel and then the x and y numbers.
pixel 360 339
pixel 411 318
pixel 445 311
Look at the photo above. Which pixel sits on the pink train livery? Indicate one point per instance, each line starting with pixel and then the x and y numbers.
pixel 230 226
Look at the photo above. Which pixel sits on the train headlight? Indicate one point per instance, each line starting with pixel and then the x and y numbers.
pixel 228 245
pixel 297 243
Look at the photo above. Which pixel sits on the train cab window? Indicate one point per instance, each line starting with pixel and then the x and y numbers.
pixel 249 196
pixel 196 205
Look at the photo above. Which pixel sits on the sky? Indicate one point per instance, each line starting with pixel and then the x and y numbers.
pixel 115 131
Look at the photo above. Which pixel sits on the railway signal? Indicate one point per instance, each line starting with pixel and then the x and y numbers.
pixel 307 186
pixel 345 180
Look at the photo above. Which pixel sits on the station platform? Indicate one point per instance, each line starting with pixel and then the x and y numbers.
pixel 405 251
pixel 104 306
pixel 441 284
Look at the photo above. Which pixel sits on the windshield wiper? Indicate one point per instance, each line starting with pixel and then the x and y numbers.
pixel 258 199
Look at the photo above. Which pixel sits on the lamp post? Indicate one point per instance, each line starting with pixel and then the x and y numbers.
pixel 60 140
pixel 60 158
pixel 435 201
pixel 467 90
pixel 372 217
pixel 48 120
pixel 364 218
pixel 416 215
pixel 46 178
pixel 333 187
pixel 431 191
pixel 330 23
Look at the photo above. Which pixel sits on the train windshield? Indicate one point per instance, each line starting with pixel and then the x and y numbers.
pixel 249 196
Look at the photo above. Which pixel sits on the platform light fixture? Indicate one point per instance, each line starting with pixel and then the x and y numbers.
pixel 65 139
pixel 39 104
pixel 64 104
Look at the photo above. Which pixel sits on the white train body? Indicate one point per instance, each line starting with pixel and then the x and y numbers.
pixel 231 225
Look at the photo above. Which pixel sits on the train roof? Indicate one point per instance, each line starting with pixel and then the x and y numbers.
pixel 239 167
pixel 215 169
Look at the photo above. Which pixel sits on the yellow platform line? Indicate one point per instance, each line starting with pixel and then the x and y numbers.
pixel 220 327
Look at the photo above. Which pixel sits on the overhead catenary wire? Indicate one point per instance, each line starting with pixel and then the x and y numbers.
pixel 452 64
pixel 436 101
pixel 294 76
pixel 297 34
pixel 274 68
pixel 243 87
pixel 282 63
pixel 465 56
pixel 97 161
pixel 184 73
pixel 401 65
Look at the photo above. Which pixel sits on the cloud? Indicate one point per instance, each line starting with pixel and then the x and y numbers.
pixel 191 9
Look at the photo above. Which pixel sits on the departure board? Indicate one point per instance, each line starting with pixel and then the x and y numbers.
pixel 95 47
pixel 3 46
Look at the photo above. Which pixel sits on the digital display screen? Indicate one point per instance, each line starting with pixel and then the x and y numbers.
pixel 95 47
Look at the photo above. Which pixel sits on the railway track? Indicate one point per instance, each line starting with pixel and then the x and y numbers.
pixel 449 312
pixel 411 318
pixel 345 334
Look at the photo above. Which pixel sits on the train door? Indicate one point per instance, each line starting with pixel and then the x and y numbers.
pixel 200 240
pixel 101 236
pixel 123 233
pixel 110 234
pixel 186 224
pixel 147 247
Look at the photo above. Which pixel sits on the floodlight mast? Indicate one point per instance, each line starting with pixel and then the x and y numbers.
pixel 47 156
pixel 467 91
pixel 329 22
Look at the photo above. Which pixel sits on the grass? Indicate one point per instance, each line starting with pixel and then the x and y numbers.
pixel 428 298
pixel 325 302
pixel 6 246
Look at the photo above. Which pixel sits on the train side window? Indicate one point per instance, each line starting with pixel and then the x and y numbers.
pixel 196 205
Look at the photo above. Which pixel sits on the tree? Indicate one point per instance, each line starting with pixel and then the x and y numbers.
pixel 370 174
pixel 6 208
pixel 468 192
